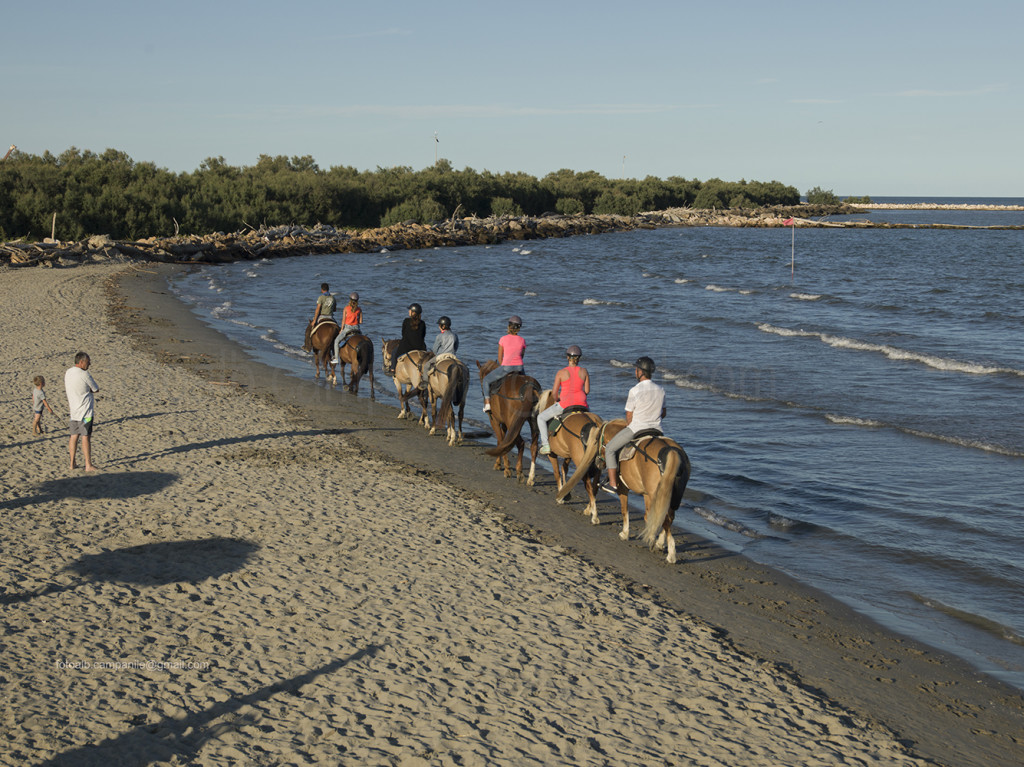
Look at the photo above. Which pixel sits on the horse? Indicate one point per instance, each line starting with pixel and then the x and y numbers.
pixel 320 341
pixel 513 403
pixel 448 383
pixel 357 351
pixel 577 439
pixel 407 373
pixel 659 470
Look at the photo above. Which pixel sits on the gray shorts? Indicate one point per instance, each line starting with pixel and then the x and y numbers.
pixel 81 428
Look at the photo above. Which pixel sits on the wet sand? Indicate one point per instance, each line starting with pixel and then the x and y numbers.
pixel 269 571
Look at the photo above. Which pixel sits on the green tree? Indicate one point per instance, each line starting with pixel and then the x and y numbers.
pixel 819 196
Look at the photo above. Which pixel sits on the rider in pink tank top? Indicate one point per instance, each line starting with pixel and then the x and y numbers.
pixel 571 393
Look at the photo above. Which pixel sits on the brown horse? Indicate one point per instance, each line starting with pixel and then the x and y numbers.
pixel 407 376
pixel 320 341
pixel 659 470
pixel 448 383
pixel 357 352
pixel 513 403
pixel 577 439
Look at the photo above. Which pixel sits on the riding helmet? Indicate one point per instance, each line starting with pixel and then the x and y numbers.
pixel 574 351
pixel 444 322
pixel 515 320
pixel 416 308
pixel 353 296
pixel 645 364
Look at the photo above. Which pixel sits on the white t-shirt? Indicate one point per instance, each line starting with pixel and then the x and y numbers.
pixel 646 401
pixel 79 386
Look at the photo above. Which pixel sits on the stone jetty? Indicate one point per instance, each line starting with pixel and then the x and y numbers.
pixel 284 241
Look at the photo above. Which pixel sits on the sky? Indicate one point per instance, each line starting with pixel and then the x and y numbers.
pixel 893 98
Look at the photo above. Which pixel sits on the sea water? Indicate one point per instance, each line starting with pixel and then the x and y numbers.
pixel 850 399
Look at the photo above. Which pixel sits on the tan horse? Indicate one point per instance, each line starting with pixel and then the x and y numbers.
pixel 513 404
pixel 577 439
pixel 357 352
pixel 407 376
pixel 448 383
pixel 320 341
pixel 659 470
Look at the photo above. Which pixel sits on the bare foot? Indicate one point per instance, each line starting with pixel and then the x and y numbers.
pixel 90 467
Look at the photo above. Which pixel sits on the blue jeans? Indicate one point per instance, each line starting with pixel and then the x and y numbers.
pixel 494 375
pixel 346 331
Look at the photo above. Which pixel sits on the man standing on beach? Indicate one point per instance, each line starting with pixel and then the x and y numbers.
pixel 79 385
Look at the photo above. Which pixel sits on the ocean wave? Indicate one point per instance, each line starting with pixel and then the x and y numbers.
pixel 681 280
pixel 719 289
pixel 892 352
pixel 987 625
pixel 806 296
pixel 724 522
pixel 600 302
pixel 973 444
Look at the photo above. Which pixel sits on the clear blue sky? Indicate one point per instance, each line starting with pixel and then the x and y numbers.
pixel 863 97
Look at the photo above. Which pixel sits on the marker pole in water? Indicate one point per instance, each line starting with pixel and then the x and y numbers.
pixel 792 249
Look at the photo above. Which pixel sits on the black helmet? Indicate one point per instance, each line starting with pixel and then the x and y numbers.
pixel 515 320
pixel 646 364
pixel 416 308
pixel 574 351
pixel 444 322
pixel 353 296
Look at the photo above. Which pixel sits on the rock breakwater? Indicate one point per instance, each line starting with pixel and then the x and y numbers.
pixel 284 241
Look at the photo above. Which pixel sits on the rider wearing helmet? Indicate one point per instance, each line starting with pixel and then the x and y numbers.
pixel 446 344
pixel 571 387
pixel 645 407
pixel 511 350
pixel 351 320
pixel 414 335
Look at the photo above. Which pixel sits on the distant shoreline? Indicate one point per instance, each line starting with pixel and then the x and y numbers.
pixel 932 206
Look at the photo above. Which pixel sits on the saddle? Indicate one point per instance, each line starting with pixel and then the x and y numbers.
pixel 556 423
pixel 637 443
pixel 323 321
pixel 495 385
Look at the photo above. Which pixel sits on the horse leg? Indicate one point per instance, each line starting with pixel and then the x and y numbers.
pixel 462 411
pixel 560 476
pixel 591 484
pixel 534 452
pixel 404 405
pixel 623 501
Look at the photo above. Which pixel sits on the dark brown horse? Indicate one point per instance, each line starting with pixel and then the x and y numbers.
pixel 357 352
pixel 576 439
pixel 513 404
pixel 448 383
pixel 658 468
pixel 320 341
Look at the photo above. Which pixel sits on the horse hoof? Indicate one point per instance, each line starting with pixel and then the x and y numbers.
pixel 671 559
pixel 624 536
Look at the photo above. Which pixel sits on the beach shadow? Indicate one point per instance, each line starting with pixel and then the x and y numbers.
pixel 116 485
pixel 153 564
pixel 166 740
pixel 122 419
pixel 186 448
pixel 158 564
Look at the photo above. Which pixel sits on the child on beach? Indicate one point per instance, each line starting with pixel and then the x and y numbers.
pixel 38 403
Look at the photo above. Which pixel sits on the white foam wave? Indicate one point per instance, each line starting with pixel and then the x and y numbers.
pixel 892 352
pixel 599 302
pixel 718 288
pixel 681 280
pixel 805 296
pixel 844 420
pixel 222 311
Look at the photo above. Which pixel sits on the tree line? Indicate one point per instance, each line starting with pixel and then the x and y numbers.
pixel 112 194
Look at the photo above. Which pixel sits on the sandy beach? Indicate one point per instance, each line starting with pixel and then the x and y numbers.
pixel 266 571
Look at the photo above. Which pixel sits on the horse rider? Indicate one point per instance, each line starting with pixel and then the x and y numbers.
pixel 325 305
pixel 645 407
pixel 351 320
pixel 571 387
pixel 511 350
pixel 414 335
pixel 446 344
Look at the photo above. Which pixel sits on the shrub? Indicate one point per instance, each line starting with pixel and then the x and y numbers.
pixel 423 210
pixel 505 206
pixel 819 196
pixel 568 206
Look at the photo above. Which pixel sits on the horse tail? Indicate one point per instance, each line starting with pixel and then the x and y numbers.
pixel 661 505
pixel 522 416
pixel 590 448
pixel 364 356
pixel 450 391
